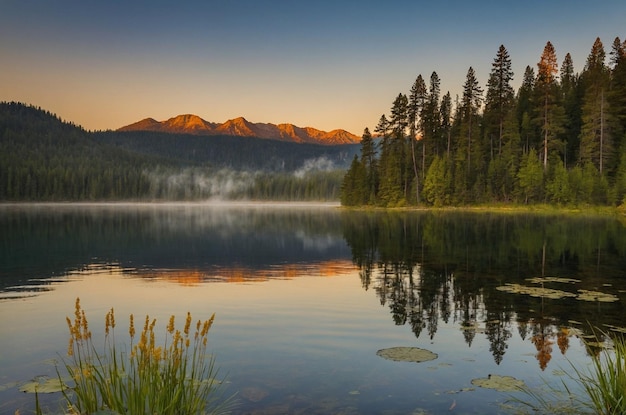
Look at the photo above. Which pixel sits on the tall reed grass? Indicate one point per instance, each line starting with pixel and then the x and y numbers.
pixel 600 387
pixel 177 377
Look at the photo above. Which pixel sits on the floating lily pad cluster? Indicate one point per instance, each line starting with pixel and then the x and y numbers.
pixel 407 354
pixel 43 384
pixel 499 383
pixel 551 293
pixel 535 291
pixel 415 354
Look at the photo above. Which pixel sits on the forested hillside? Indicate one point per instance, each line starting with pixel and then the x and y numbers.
pixel 43 158
pixel 238 153
pixel 560 138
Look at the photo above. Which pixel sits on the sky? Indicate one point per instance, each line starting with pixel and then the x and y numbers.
pixel 322 64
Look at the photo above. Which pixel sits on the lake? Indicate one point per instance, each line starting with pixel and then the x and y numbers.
pixel 306 295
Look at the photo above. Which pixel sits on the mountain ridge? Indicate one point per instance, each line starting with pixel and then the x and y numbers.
pixel 240 127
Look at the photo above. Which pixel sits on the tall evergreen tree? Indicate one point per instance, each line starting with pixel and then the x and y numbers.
pixel 618 52
pixel 571 97
pixel 499 98
pixel 399 115
pixel 368 160
pixel 354 185
pixel 470 107
pixel 383 127
pixel 525 108
pixel 431 120
pixel 417 102
pixel 617 93
pixel 445 115
pixel 595 136
pixel 550 114
pixel 393 172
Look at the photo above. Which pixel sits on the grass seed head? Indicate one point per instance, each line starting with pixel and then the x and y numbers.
pixel 131 327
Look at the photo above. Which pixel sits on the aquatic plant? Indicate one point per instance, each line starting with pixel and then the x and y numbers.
pixel 407 354
pixel 602 385
pixel 605 383
pixel 177 377
pixel 499 383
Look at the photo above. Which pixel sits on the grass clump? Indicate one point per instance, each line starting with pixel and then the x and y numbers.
pixel 601 386
pixel 177 377
pixel 605 383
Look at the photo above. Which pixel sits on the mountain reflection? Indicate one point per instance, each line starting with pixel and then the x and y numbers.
pixel 240 274
pixel 445 267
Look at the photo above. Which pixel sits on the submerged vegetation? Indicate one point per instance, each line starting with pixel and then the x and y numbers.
pixel 177 377
pixel 561 139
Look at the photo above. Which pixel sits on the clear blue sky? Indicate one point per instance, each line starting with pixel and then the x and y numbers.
pixel 325 64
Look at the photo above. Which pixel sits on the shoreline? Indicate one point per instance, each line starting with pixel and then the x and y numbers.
pixel 618 211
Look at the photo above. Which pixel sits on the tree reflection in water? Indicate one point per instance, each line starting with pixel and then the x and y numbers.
pixel 430 267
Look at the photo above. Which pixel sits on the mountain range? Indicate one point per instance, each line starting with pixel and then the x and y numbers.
pixel 192 124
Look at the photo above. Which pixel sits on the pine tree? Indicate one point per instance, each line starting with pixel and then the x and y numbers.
pixel 445 115
pixel 499 98
pixel 570 91
pixel 525 109
pixel 618 52
pixel 383 127
pixel 431 118
pixel 435 191
pixel 617 93
pixel 595 137
pixel 399 115
pixel 550 114
pixel 470 106
pixel 368 160
pixel 354 185
pixel 417 102
pixel 503 168
pixel 392 173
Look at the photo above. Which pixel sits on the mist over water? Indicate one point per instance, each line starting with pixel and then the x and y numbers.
pixel 205 183
pixel 192 183
pixel 314 165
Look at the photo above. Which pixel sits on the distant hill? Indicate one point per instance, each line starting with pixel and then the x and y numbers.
pixel 240 127
pixel 45 158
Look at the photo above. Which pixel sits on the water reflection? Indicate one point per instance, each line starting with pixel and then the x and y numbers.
pixel 431 268
pixel 41 242
pixel 450 282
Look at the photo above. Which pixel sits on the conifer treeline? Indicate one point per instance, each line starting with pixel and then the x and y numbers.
pixel 560 139
pixel 43 158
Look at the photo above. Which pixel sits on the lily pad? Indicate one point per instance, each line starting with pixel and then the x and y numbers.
pixel 586 295
pixel 499 383
pixel 543 280
pixel 615 328
pixel 407 354
pixel 535 291
pixel 43 384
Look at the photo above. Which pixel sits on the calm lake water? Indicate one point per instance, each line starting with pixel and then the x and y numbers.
pixel 305 296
